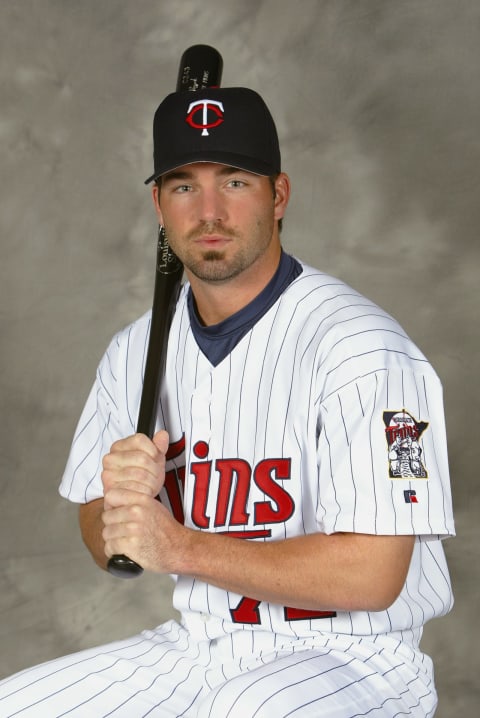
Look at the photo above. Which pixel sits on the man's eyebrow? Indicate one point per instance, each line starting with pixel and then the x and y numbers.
pixel 185 174
pixel 177 175
pixel 229 170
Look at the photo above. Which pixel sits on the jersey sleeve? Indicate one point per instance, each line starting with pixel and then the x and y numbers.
pixel 108 415
pixel 382 455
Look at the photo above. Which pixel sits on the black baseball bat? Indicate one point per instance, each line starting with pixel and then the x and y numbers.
pixel 200 67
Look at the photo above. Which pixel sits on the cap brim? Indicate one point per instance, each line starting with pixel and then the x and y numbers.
pixel 230 159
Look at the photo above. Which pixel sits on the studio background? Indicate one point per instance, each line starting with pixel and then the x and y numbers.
pixel 377 108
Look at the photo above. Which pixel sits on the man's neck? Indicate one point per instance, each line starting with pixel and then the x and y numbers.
pixel 216 301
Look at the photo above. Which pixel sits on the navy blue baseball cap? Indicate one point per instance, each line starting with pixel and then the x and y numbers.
pixel 230 126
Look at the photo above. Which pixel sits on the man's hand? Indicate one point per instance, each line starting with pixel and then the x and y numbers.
pixel 135 464
pixel 341 571
pixel 135 523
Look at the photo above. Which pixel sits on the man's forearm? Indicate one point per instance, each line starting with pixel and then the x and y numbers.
pixel 342 571
pixel 91 526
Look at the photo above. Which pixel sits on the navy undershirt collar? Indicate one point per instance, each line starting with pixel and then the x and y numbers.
pixel 218 340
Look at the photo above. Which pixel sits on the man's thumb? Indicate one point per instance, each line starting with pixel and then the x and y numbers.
pixel 161 440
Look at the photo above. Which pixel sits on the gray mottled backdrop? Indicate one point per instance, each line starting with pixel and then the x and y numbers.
pixel 378 111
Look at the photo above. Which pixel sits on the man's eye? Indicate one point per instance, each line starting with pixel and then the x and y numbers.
pixel 236 183
pixel 183 188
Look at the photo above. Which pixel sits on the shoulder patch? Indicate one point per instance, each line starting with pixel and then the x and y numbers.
pixel 403 432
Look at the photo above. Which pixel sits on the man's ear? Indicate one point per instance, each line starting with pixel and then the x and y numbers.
pixel 156 202
pixel 282 194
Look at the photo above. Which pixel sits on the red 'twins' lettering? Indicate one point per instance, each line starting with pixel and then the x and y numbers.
pixel 232 493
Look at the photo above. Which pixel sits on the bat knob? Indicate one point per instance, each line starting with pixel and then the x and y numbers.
pixel 123 567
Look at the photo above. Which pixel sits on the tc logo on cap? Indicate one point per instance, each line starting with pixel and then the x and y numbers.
pixel 204 107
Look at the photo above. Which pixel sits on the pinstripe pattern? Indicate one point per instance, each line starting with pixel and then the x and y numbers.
pixel 328 421
pixel 247 674
pixel 293 418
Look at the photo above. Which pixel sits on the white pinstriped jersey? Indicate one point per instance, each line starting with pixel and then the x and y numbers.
pixel 324 417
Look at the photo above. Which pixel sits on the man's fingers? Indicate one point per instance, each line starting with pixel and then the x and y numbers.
pixel 125 529
pixel 137 450
pixel 136 463
pixel 136 442
pixel 126 498
pixel 137 480
pixel 132 458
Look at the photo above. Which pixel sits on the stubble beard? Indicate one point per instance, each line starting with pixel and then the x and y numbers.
pixel 213 266
pixel 216 266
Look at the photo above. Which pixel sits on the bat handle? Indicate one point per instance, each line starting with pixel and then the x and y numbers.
pixel 123 567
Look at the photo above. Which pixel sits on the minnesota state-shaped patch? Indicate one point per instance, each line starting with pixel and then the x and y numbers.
pixel 403 433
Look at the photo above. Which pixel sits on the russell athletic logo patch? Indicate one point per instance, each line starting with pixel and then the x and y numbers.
pixel 403 432
pixel 410 497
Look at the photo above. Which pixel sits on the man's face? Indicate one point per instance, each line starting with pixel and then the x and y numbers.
pixel 220 221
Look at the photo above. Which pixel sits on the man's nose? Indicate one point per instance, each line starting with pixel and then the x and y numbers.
pixel 212 206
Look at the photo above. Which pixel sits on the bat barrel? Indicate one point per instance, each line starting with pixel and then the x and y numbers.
pixel 201 66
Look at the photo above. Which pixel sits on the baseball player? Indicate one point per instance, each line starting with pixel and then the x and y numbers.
pixel 300 457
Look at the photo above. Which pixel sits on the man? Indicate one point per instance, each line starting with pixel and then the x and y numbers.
pixel 305 566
